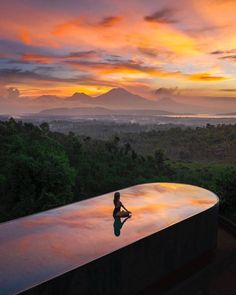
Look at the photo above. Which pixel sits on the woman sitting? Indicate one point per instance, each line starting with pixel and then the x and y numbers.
pixel 117 210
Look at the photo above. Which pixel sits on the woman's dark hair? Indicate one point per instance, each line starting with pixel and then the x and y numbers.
pixel 116 197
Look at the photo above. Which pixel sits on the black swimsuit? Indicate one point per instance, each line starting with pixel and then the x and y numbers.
pixel 116 210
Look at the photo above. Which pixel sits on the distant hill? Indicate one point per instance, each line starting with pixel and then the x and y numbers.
pixel 82 111
pixel 80 97
pixel 74 111
pixel 115 98
pixel 48 99
pixel 123 99
pixel 169 104
pixel 118 99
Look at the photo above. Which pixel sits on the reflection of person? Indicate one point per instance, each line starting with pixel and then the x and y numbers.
pixel 118 224
pixel 118 205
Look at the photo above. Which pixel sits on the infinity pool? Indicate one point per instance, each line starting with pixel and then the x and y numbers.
pixel 37 248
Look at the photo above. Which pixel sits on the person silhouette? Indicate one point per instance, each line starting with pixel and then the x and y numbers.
pixel 118 224
pixel 117 203
pixel 118 214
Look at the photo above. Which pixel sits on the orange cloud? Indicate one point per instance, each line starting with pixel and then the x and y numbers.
pixel 155 48
pixel 206 77
pixel 123 67
pixel 79 23
pixel 47 59
pixel 38 58
pixel 25 37
pixel 63 28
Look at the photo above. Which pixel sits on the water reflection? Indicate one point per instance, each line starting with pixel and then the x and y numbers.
pixel 118 214
pixel 118 224
pixel 56 241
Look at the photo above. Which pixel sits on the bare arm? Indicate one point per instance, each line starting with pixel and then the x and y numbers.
pixel 125 208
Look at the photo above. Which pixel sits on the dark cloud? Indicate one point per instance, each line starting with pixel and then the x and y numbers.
pixel 18 76
pixel 123 66
pixel 81 54
pixel 164 15
pixel 50 58
pixel 152 52
pixel 33 56
pixel 113 64
pixel 13 93
pixel 17 61
pixel 110 21
pixel 17 47
pixel 230 57
pixel 225 54
pixel 45 69
pixel 162 91
pixel 217 52
pixel 221 52
pixel 113 58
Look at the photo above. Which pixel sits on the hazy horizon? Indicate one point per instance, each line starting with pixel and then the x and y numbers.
pixel 116 99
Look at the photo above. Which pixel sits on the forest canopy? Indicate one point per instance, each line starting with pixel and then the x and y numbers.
pixel 41 169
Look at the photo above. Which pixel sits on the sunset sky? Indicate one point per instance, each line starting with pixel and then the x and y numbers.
pixel 60 47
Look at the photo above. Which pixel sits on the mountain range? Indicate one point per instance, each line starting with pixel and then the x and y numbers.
pixel 115 99
pixel 119 98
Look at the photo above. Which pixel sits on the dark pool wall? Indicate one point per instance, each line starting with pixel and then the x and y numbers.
pixel 134 267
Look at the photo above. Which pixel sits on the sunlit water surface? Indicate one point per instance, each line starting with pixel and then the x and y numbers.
pixel 38 247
